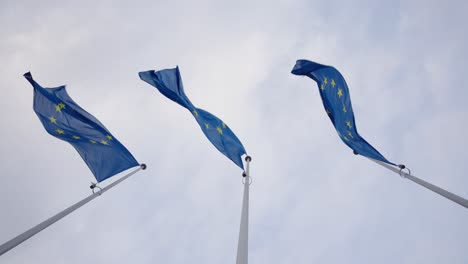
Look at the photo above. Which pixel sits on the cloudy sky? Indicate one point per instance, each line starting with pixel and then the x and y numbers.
pixel 312 201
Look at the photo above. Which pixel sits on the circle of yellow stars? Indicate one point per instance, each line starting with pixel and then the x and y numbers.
pixel 58 108
pixel 340 94
pixel 207 126
pixel 219 129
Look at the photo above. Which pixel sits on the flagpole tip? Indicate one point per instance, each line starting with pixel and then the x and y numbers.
pixel 248 159
pixel 143 166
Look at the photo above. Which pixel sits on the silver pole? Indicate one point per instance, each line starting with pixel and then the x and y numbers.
pixel 38 228
pixel 452 197
pixel 243 245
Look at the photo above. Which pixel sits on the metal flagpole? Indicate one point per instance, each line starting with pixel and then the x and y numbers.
pixel 243 245
pixel 453 197
pixel 38 228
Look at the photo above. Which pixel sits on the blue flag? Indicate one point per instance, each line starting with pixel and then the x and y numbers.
pixel 337 102
pixel 169 83
pixel 64 119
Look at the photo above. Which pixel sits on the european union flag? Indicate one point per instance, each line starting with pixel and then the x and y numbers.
pixel 64 119
pixel 169 83
pixel 337 102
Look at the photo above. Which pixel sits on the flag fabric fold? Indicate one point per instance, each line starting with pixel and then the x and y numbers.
pixel 337 102
pixel 169 83
pixel 66 120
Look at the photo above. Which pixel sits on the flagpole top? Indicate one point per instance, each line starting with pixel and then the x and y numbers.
pixel 143 166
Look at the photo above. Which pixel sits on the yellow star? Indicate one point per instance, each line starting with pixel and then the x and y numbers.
pixel 333 83
pixel 340 93
pixel 346 138
pixel 53 120
pixel 76 137
pixel 220 131
pixel 60 131
pixel 109 137
pixel 325 80
pixel 207 125
pixel 104 142
pixel 195 112
pixel 322 87
pixel 92 141
pixel 61 105
pixel 348 123
pixel 57 108
pixel 224 125
pixel 344 109
pixel 350 134
pixel 328 111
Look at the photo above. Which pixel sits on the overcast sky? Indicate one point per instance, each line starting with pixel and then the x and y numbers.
pixel 312 201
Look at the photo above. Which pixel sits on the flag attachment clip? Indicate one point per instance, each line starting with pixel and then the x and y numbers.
pixel 246 175
pixel 247 159
pixel 248 178
pixel 401 172
pixel 94 186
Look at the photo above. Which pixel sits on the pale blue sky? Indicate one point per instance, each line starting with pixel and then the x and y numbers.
pixel 312 201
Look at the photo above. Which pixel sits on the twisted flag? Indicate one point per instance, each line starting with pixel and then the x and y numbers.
pixel 337 102
pixel 65 120
pixel 169 83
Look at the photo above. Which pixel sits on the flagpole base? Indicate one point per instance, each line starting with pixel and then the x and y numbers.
pixel 12 243
pixel 444 193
